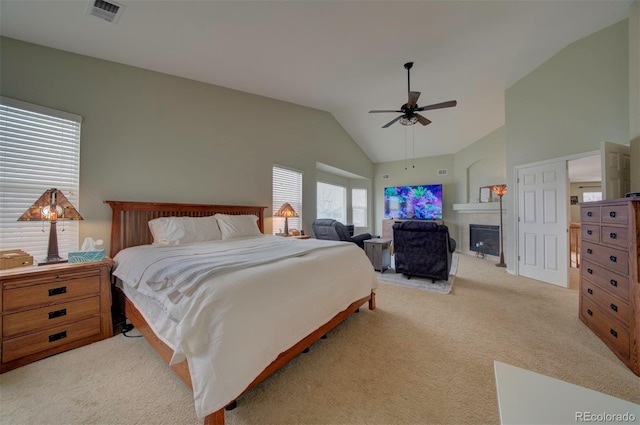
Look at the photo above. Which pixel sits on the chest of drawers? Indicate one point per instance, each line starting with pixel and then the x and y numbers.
pixel 54 308
pixel 609 286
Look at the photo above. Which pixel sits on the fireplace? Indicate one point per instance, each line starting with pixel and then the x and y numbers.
pixel 484 239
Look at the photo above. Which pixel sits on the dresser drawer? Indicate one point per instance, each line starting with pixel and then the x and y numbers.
pixel 590 214
pixel 22 346
pixel 50 293
pixel 611 305
pixel 46 317
pixel 614 334
pixel 618 214
pixel 612 258
pixel 608 280
pixel 617 236
pixel 590 232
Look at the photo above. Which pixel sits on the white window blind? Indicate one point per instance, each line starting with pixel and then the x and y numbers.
pixel 39 150
pixel 332 202
pixel 359 207
pixel 287 187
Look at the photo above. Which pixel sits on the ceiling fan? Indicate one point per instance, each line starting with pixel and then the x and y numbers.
pixel 409 110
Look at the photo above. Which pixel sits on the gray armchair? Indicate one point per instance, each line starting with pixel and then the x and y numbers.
pixel 330 229
pixel 423 248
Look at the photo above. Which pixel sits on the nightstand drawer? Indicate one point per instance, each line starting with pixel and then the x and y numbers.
pixel 50 293
pixel 16 348
pixel 45 317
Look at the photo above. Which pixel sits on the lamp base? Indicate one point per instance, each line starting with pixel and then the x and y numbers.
pixel 54 261
pixel 501 263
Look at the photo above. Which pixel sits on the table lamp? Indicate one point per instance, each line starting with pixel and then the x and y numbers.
pixel 51 206
pixel 286 211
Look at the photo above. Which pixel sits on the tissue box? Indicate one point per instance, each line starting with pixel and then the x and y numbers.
pixel 85 256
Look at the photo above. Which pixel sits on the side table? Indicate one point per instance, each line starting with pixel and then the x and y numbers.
pixel 379 252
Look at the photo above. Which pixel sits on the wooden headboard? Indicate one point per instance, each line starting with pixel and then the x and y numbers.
pixel 129 219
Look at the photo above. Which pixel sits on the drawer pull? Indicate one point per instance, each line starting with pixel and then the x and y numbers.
pixel 614 307
pixel 589 232
pixel 589 251
pixel 57 291
pixel 589 312
pixel 613 235
pixel 590 271
pixel 612 214
pixel 57 313
pixel 613 282
pixel 590 291
pixel 59 335
pixel 589 214
pixel 613 332
pixel 613 258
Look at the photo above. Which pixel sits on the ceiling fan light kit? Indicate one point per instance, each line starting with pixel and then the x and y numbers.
pixel 409 110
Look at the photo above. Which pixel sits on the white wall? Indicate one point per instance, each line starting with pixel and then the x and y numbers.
pixel 154 137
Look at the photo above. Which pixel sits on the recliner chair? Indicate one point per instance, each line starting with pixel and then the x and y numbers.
pixel 333 230
pixel 422 248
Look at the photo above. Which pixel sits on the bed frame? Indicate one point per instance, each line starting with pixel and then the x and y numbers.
pixel 129 228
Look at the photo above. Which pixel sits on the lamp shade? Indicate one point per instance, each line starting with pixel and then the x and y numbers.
pixel 51 206
pixel 286 210
pixel 499 189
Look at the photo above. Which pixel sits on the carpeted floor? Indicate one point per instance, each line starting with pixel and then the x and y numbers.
pixel 419 358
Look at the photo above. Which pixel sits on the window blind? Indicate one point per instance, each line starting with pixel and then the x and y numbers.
pixel 39 150
pixel 287 187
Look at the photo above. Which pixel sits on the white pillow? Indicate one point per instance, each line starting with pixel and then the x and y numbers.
pixel 182 230
pixel 237 226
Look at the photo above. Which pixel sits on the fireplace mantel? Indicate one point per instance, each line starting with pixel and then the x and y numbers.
pixel 479 207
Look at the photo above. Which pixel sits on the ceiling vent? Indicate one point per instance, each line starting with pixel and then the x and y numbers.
pixel 110 11
pixel 443 172
pixel 386 177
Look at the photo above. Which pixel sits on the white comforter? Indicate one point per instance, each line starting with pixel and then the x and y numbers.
pixel 232 322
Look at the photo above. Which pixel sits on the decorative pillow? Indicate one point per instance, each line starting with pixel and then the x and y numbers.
pixel 182 230
pixel 237 226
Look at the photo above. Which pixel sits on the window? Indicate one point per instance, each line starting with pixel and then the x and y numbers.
pixel 39 150
pixel 591 196
pixel 359 207
pixel 287 187
pixel 332 202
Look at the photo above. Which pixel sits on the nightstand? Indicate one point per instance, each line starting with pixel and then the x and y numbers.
pixel 50 309
pixel 379 252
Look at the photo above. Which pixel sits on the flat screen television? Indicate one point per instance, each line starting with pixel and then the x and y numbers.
pixel 422 202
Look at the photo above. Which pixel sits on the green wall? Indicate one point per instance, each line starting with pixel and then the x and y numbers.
pixel 154 137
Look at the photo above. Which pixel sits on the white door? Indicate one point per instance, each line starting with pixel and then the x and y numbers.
pixel 543 223
pixel 616 170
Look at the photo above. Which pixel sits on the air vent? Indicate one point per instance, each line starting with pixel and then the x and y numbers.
pixel 443 172
pixel 110 11
pixel 386 177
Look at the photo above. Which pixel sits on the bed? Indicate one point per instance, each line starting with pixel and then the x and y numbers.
pixel 257 311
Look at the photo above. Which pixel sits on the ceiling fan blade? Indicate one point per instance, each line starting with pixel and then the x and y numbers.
pixel 375 112
pixel 422 120
pixel 392 121
pixel 448 104
pixel 413 99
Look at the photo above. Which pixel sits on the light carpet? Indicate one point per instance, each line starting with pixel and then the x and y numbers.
pixel 441 286
pixel 419 358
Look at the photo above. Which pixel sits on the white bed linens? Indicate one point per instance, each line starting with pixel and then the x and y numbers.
pixel 235 322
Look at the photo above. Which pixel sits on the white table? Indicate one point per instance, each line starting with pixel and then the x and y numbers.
pixel 526 397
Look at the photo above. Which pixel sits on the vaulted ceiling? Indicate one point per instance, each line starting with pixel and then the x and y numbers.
pixel 344 57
